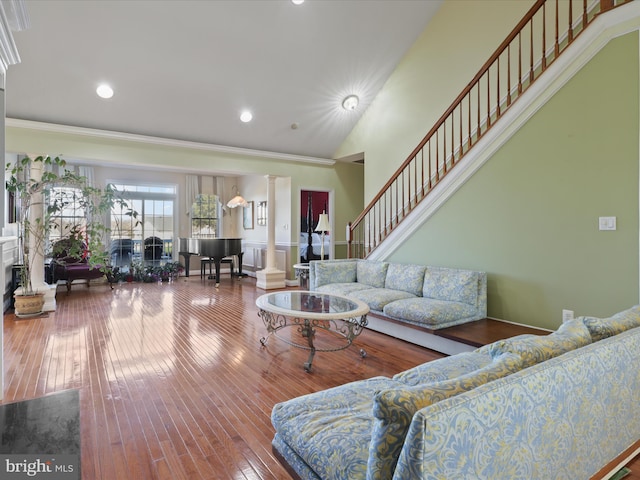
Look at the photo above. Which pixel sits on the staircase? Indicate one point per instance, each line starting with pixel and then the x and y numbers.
pixel 504 93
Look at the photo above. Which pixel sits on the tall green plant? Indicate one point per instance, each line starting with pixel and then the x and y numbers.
pixel 95 202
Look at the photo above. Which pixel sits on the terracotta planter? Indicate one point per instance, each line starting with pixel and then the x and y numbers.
pixel 29 304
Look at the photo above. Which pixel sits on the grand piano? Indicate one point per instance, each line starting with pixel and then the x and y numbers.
pixel 214 248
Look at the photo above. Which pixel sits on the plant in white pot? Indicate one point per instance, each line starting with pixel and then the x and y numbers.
pixel 43 188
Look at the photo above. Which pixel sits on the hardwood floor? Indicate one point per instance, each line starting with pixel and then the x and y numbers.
pixel 173 381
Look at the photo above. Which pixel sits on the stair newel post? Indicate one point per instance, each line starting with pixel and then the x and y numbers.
pixel 606 5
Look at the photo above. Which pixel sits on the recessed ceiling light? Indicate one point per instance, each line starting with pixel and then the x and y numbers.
pixel 104 91
pixel 350 102
pixel 297 2
pixel 246 116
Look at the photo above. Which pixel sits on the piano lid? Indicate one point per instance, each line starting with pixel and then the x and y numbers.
pixel 211 247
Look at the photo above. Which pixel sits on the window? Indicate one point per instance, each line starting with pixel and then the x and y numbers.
pixel 151 239
pixel 68 213
pixel 125 234
pixel 204 217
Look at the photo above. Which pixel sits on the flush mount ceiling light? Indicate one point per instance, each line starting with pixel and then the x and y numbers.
pixel 350 102
pixel 297 2
pixel 246 116
pixel 104 91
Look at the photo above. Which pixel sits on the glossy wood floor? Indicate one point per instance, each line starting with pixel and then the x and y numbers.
pixel 173 381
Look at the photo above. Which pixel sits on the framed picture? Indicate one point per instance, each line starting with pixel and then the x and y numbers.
pixel 262 214
pixel 247 219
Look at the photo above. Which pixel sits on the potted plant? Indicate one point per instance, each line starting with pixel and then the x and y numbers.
pixel 39 204
pixel 170 271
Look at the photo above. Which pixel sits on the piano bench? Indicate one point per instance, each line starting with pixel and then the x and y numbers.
pixel 205 261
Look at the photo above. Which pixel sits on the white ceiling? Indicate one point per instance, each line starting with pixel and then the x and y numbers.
pixel 186 69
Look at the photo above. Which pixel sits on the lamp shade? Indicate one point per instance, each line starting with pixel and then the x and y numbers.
pixel 323 223
pixel 237 201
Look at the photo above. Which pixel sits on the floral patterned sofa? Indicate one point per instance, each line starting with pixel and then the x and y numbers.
pixel 530 407
pixel 429 297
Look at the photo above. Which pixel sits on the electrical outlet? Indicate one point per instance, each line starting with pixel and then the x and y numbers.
pixel 567 315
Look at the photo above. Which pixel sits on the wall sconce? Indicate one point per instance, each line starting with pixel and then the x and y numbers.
pixel 262 213
pixel 237 201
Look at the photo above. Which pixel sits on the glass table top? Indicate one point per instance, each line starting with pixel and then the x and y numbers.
pixel 314 304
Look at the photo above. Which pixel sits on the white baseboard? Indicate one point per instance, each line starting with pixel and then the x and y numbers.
pixel 521 324
pixel 418 337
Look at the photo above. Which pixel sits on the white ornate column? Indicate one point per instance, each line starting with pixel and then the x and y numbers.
pixel 270 277
pixel 37 248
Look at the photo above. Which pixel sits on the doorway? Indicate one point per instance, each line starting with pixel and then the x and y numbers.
pixel 313 243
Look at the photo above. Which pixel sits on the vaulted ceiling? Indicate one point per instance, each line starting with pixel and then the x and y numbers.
pixel 186 69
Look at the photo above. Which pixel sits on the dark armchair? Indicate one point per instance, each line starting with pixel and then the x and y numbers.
pixel 70 263
pixel 153 247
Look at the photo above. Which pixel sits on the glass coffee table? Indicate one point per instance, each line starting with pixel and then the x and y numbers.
pixel 339 319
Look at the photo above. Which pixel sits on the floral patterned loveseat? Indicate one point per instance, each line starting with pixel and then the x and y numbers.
pixel 564 405
pixel 429 297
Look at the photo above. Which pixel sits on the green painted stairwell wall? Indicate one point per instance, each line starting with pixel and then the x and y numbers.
pixel 529 216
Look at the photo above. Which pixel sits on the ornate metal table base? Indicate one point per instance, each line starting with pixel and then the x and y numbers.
pixel 347 329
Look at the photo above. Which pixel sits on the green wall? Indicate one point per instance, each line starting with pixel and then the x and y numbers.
pixel 529 216
pixel 449 52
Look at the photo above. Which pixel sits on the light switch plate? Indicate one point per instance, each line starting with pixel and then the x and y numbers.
pixel 607 223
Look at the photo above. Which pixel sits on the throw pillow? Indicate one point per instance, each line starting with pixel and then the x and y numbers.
pixel 451 285
pixel 372 273
pixel 393 410
pixel 334 272
pixel 535 349
pixel 601 328
pixel 407 278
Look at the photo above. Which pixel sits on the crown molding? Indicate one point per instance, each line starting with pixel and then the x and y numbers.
pixel 13 17
pixel 159 141
pixel 16 11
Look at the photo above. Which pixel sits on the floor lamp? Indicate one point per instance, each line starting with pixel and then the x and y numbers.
pixel 323 226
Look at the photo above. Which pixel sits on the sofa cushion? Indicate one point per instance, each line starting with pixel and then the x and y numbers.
pixel 428 312
pixel 331 430
pixel 601 328
pixel 377 298
pixel 339 272
pixel 535 349
pixel 372 273
pixel 451 284
pixel 564 418
pixel 444 368
pixel 343 288
pixel 393 409
pixel 297 464
pixel 408 278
